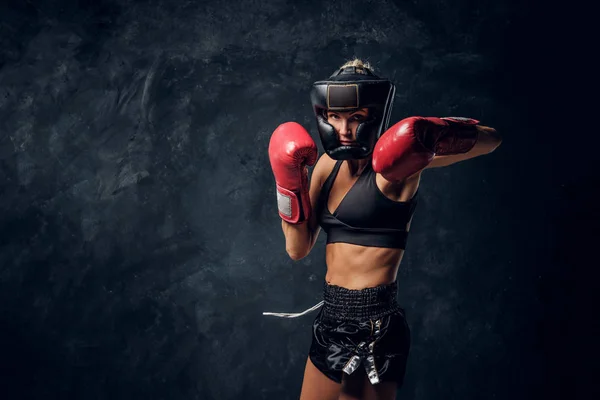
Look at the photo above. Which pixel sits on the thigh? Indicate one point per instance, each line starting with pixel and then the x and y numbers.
pixel 354 385
pixel 381 391
pixel 317 386
pixel 358 387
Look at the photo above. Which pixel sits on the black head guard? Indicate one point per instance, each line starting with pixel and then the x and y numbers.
pixel 350 89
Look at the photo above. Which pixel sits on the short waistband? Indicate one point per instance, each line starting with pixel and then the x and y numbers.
pixel 356 305
pixel 352 305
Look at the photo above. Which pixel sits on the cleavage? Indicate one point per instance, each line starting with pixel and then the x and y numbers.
pixel 340 189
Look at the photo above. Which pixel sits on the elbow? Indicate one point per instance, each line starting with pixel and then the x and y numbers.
pixel 490 140
pixel 497 141
pixel 491 147
pixel 496 138
pixel 296 254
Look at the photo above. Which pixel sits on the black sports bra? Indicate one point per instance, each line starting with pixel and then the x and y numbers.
pixel 365 216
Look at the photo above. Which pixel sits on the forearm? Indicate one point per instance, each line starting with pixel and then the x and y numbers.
pixel 298 239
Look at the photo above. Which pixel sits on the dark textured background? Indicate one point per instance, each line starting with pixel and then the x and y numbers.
pixel 139 238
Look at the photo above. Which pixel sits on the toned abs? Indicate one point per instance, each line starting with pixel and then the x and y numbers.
pixel 358 267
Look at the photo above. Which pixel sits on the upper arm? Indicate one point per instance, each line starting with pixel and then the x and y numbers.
pixel 487 141
pixel 318 176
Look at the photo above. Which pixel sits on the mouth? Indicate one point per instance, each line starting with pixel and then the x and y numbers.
pixel 348 143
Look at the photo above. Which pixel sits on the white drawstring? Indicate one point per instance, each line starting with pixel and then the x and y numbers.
pixel 294 315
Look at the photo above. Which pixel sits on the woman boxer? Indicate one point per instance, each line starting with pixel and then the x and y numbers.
pixel 362 193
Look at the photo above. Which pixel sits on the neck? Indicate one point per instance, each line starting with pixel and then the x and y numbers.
pixel 356 167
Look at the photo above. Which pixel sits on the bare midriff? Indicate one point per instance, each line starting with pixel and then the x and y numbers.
pixel 358 267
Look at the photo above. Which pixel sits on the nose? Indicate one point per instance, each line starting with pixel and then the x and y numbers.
pixel 345 128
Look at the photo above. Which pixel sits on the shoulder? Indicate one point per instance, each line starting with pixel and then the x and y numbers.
pixel 323 167
pixel 324 159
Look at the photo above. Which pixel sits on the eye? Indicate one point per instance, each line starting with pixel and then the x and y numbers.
pixel 334 116
pixel 358 118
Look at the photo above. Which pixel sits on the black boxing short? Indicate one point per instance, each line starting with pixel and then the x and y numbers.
pixel 361 329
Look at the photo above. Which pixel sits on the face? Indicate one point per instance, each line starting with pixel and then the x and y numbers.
pixel 345 124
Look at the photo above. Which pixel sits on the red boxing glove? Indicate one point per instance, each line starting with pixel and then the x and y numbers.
pixel 410 145
pixel 291 150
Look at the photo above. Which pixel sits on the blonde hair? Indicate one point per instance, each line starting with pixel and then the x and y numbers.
pixel 358 63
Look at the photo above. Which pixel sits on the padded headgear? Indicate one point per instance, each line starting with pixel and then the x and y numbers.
pixel 350 89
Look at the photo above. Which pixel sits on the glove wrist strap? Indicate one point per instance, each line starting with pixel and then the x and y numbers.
pixel 289 206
